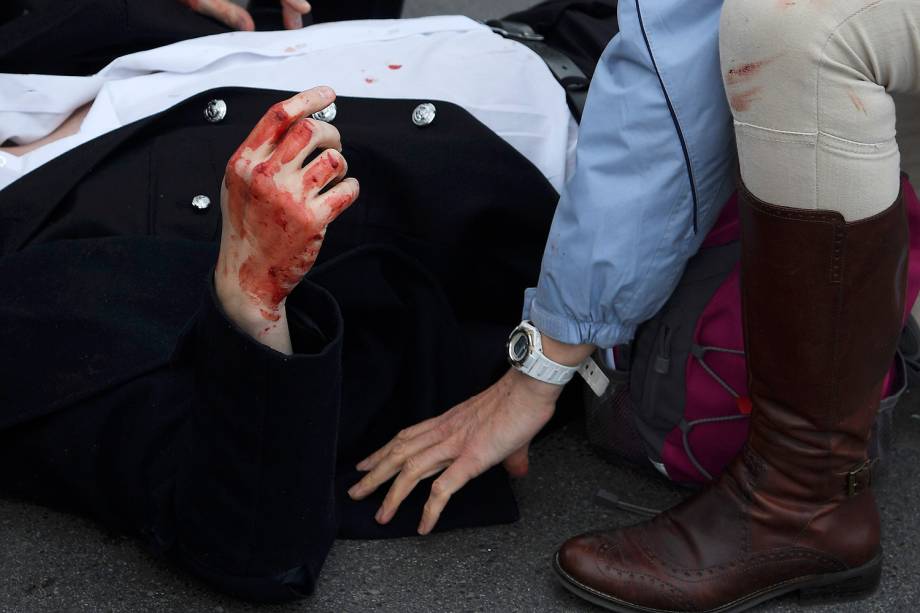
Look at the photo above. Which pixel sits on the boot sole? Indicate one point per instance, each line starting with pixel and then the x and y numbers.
pixel 851 584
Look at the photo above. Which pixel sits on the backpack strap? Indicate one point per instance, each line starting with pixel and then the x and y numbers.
pixel 570 77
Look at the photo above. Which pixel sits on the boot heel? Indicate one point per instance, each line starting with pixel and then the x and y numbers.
pixel 848 585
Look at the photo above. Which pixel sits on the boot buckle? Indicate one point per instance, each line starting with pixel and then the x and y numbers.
pixel 860 478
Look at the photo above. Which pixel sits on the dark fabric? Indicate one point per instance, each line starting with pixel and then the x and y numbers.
pixel 79 37
pixel 579 28
pixel 338 10
pixel 126 394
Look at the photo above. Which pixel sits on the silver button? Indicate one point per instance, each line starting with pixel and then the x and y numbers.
pixel 201 202
pixel 215 111
pixel 423 114
pixel 327 114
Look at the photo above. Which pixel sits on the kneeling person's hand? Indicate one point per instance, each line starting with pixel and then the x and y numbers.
pixel 493 427
pixel 235 16
pixel 275 213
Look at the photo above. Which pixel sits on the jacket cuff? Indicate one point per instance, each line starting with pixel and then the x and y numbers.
pixel 573 331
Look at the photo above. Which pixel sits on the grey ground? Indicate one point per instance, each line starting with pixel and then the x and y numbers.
pixel 56 562
pixel 52 562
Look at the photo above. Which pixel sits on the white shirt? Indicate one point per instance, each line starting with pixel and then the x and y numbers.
pixel 500 82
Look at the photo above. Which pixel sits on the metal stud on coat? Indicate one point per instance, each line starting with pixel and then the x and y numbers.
pixel 215 111
pixel 201 202
pixel 327 114
pixel 424 114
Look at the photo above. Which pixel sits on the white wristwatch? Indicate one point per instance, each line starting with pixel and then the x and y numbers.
pixel 525 352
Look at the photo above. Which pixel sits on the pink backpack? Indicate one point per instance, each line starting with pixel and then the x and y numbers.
pixel 678 398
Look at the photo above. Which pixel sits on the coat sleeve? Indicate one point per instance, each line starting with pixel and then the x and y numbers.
pixel 218 450
pixel 653 166
pixel 253 507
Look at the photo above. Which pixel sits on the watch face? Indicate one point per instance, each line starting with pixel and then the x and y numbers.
pixel 518 347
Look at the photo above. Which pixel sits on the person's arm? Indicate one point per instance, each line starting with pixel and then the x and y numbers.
pixel 219 448
pixel 275 213
pixel 253 505
pixel 653 161
pixel 654 164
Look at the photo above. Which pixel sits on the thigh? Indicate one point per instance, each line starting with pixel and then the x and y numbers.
pixel 810 85
pixel 807 66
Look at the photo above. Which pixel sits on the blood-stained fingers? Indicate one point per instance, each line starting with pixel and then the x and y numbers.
pixel 230 14
pixel 303 138
pixel 275 123
pixel 334 202
pixel 328 168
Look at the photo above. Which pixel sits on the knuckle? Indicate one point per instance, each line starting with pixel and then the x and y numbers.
pixel 438 489
pixel 404 435
pixel 459 443
pixel 232 170
pixel 304 127
pixel 412 466
pixel 262 178
pixel 443 430
pixel 399 451
pixel 278 112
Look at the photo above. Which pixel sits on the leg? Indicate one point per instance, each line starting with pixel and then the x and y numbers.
pixel 810 87
pixel 823 292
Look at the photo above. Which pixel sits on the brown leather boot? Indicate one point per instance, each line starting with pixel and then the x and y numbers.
pixel 823 302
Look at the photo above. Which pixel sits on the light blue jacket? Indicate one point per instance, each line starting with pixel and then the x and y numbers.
pixel 655 163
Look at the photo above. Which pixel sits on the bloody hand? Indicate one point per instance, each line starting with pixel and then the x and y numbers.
pixel 274 216
pixel 238 18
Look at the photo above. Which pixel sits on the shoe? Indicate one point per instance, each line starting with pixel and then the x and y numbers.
pixel 823 303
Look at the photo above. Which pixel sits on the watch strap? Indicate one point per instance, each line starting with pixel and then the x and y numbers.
pixel 594 376
pixel 541 368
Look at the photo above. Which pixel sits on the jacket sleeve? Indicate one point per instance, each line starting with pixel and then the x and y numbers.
pixel 253 507
pixel 654 164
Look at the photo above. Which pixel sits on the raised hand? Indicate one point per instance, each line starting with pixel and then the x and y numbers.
pixel 236 17
pixel 274 214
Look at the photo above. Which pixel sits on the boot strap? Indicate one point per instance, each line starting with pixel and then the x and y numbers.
pixel 860 478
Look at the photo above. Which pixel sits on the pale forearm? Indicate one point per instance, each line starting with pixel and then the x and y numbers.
pixel 251 318
pixel 564 353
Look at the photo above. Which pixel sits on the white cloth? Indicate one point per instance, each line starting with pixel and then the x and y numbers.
pixel 502 83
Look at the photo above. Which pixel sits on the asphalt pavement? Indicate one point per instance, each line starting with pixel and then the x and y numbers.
pixel 55 562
